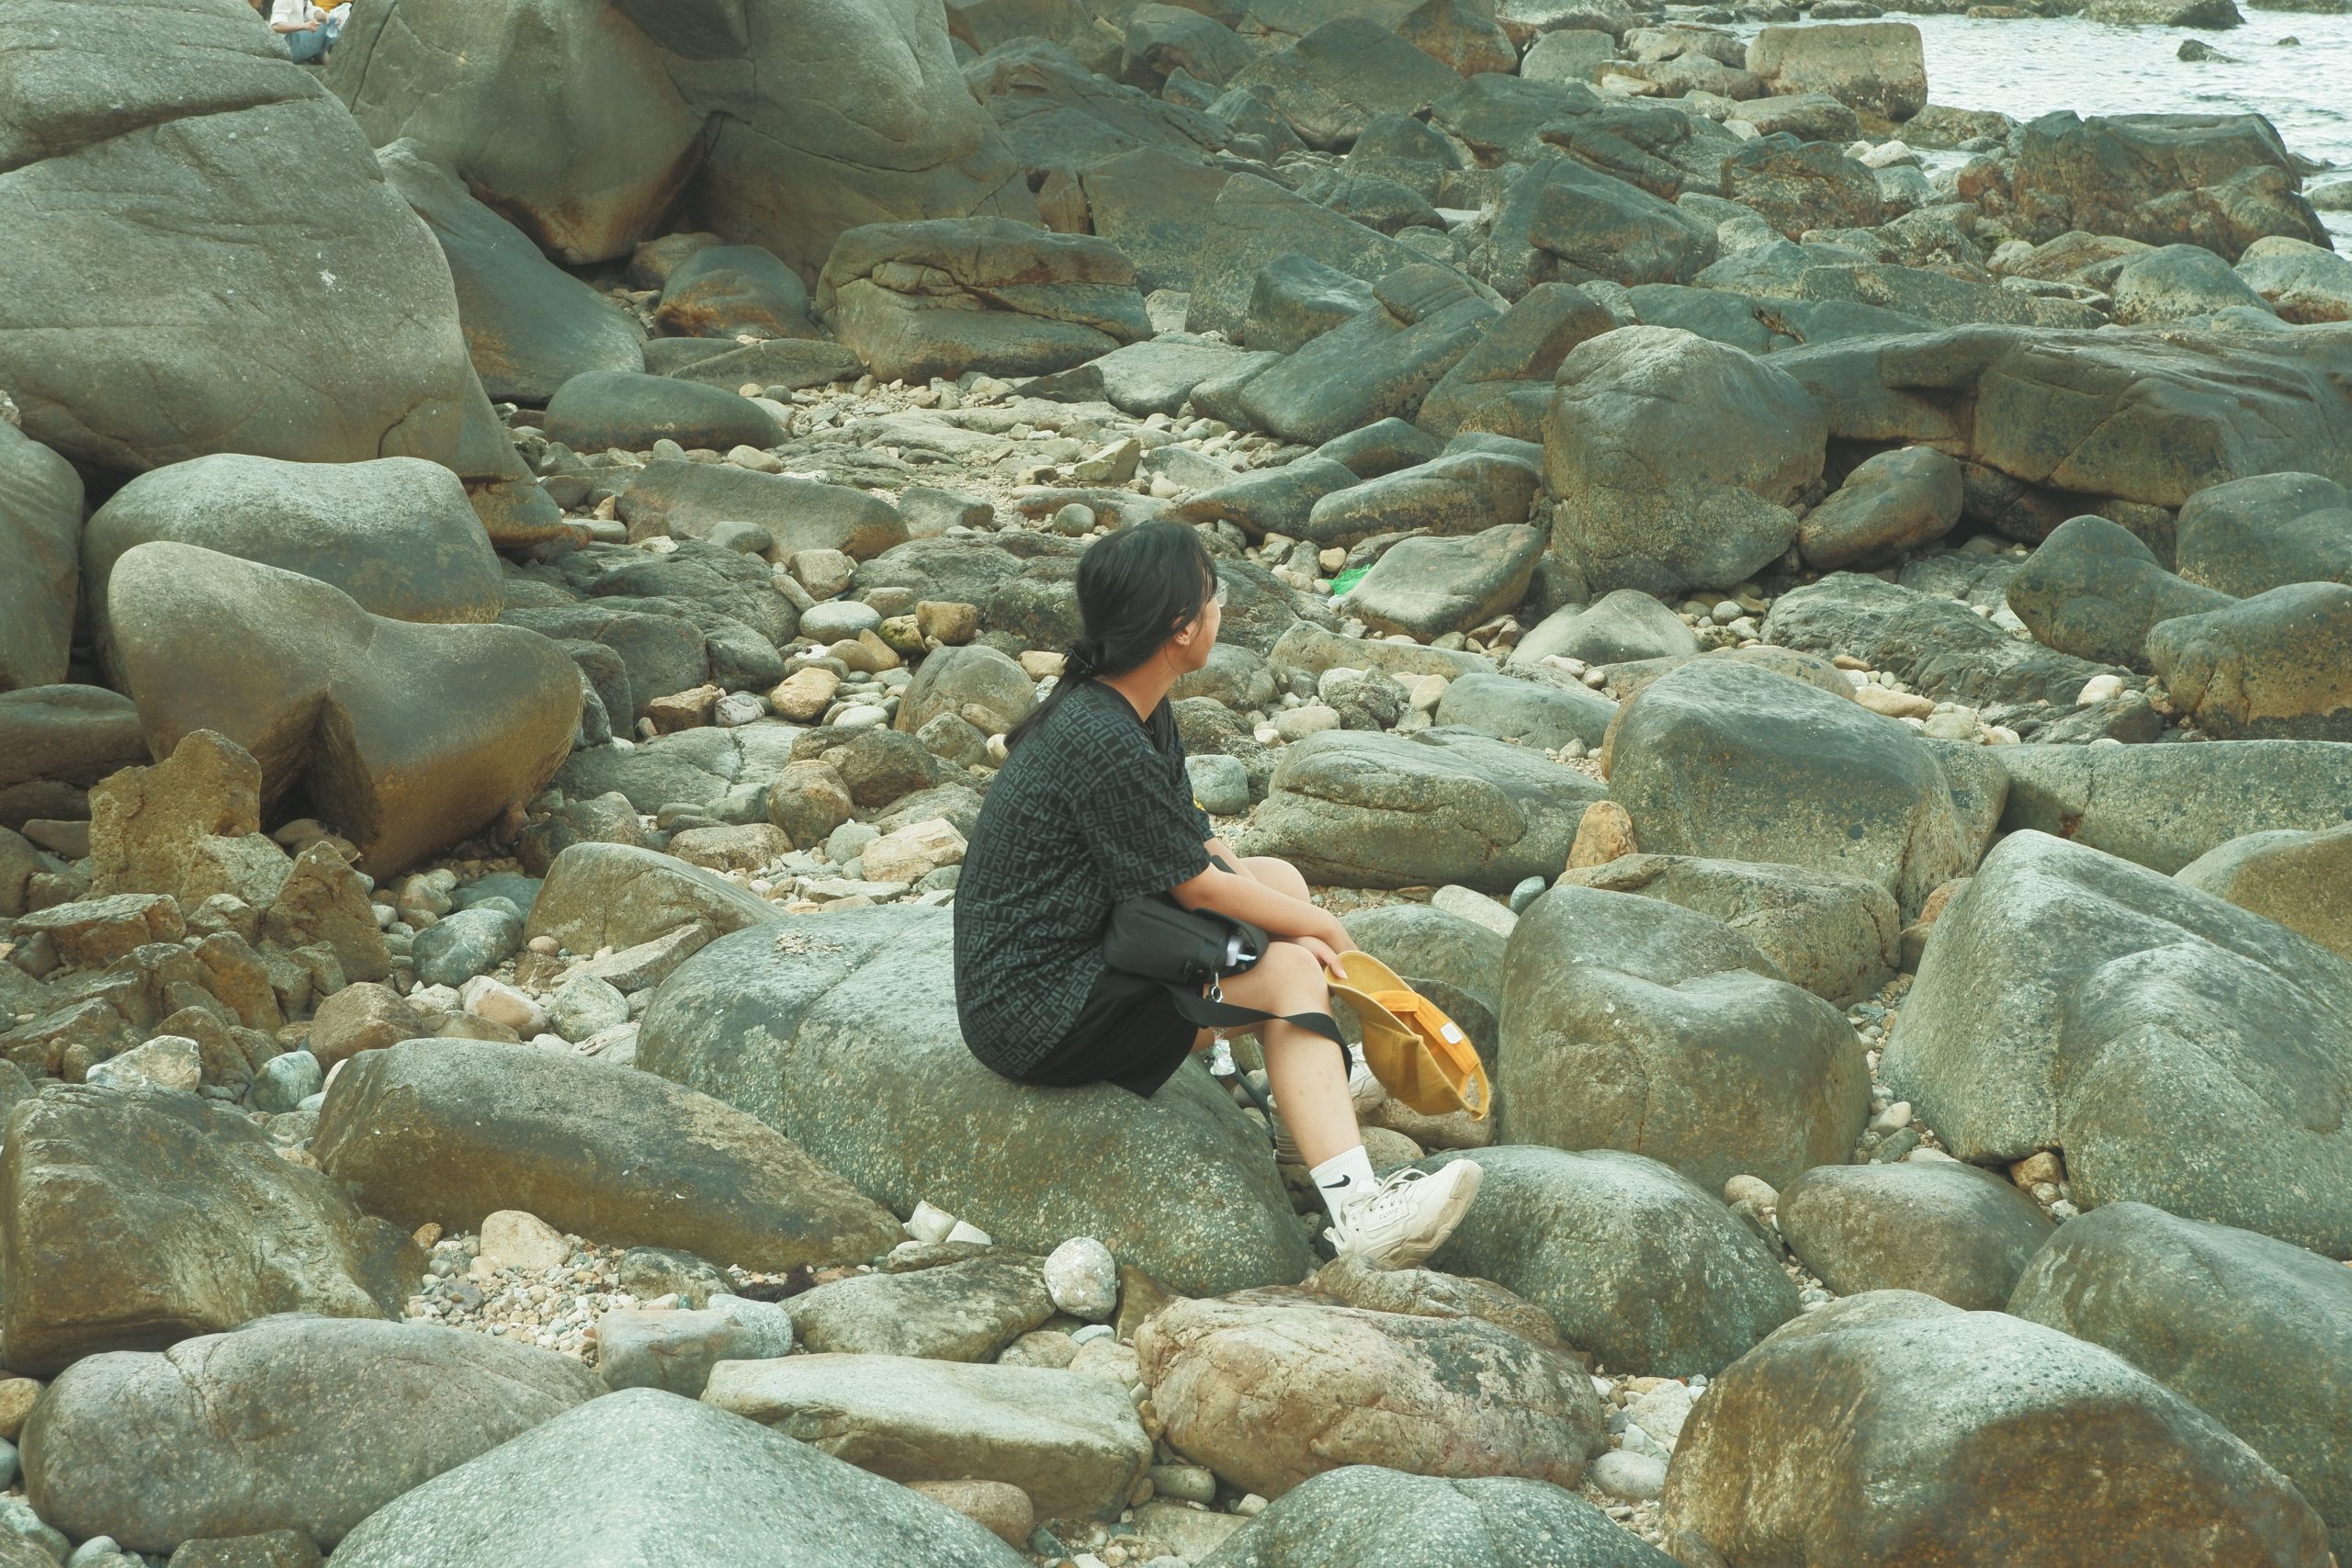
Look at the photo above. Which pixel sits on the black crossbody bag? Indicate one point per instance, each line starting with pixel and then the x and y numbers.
pixel 1156 938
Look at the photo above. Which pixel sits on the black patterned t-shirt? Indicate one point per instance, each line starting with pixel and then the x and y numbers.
pixel 1087 811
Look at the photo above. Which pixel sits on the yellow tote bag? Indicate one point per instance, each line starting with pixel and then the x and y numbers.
pixel 1419 1055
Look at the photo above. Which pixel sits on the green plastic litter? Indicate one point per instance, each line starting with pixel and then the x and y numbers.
pixel 1346 580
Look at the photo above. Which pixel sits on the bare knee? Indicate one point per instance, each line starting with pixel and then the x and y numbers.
pixel 1278 874
pixel 1294 971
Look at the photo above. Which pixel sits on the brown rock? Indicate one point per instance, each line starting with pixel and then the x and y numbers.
pixel 1271 1387
pixel 364 1016
pixel 689 709
pixel 1604 833
pixel 146 823
pixel 236 976
pixel 1001 1507
pixel 805 694
pixel 1893 703
pixel 947 621
pixel 16 1397
pixel 809 800
pixel 92 933
pixel 324 901
pixel 132 1218
pixel 732 847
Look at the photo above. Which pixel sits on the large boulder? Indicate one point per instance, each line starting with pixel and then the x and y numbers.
pixel 1458 493
pixel 1332 83
pixel 451 1130
pixel 146 333
pixel 2277 665
pixel 1367 1517
pixel 40 530
pixel 649 1478
pixel 2165 805
pixel 56 741
pixel 1637 1265
pixel 966 1311
pixel 2254 1332
pixel 1741 441
pixel 793 124
pixel 1271 1388
pixel 2252 535
pixel 687 500
pixel 1600 227
pixel 530 325
pixel 1256 222
pixel 631 411
pixel 1937 646
pixel 2304 881
pixel 1891 1425
pixel 407 737
pixel 2094 588
pixel 1837 935
pixel 941 297
pixel 1796 186
pixel 307 1424
pixel 2178 283
pixel 396 534
pixel 839 1031
pixel 1379 365
pixel 1504 384
pixel 2219 181
pixel 1068 1440
pixel 1363 809
pixel 1888 504
pixel 1939 1227
pixel 2181 1051
pixel 1878 66
pixel 1633 1023
pixel 2303 282
pixel 1532 711
pixel 1723 758
pixel 132 1219
pixel 1427 588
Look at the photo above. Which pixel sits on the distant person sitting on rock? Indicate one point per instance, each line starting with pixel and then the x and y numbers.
pixel 1093 806
pixel 309 31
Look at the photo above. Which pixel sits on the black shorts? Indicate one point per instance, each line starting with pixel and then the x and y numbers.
pixel 1128 1033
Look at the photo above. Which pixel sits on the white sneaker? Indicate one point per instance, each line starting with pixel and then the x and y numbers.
pixel 1364 1089
pixel 1408 1218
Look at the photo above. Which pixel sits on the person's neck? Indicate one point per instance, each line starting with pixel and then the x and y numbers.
pixel 1145 687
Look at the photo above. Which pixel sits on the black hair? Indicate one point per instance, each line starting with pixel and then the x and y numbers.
pixel 1136 589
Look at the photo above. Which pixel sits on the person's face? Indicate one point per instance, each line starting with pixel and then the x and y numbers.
pixel 1191 643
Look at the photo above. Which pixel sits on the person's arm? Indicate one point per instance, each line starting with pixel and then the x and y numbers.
pixel 1247 898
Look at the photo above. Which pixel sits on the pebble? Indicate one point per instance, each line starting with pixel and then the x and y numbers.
pixel 284 1082
pixel 1082 1277
pixel 1310 718
pixel 1635 1477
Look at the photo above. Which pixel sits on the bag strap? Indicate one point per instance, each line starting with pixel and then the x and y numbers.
pixel 1217 1014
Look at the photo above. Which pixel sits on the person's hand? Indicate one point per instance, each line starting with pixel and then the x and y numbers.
pixel 1325 954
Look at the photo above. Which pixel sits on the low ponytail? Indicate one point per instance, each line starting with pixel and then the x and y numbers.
pixel 1136 589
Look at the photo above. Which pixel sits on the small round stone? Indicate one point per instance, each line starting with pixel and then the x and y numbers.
pixel 1082 1277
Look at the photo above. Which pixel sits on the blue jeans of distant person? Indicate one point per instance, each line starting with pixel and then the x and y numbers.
pixel 314 44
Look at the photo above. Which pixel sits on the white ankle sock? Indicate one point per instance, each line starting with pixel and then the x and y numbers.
pixel 1344 1178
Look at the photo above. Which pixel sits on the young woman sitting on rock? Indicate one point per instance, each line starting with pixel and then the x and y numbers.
pixel 1093 806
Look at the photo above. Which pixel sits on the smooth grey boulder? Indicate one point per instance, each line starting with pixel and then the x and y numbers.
pixel 1423 942
pixel 1361 809
pixel 1728 761
pixel 1255 222
pixel 1635 1263
pixel 687 500
pixel 396 533
pixel 1877 66
pixel 1940 648
pixel 732 293
pixel 1461 493
pixel 650 1480
pixel 2219 181
pixel 1426 588
pixel 289 1422
pixel 1600 227
pixel 1636 1024
pixel 966 1311
pixel 132 1219
pixel 2303 282
pixel 1890 503
pixel 1504 384
pixel 2252 535
pixel 1331 82
pixel 839 1031
pixel 2175 1047
pixel 2304 881
pixel 675 1350
pixel 1945 1229
pixel 1070 1440
pixel 117 337
pixel 1143 378
pixel 1539 713
pixel 1744 441
pixel 1997 1439
pixel 1367 1517
pixel 951 679
pixel 1618 628
pixel 2165 805
pixel 1378 364
pixel 2174 283
pixel 2093 589
pixel 630 409
pixel 2276 666
pixel 2254 1332
pixel 530 325
pixel 1837 935
pixel 450 1131
pixel 1278 500
pixel 41 532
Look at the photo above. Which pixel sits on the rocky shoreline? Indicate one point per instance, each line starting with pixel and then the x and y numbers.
pixel 1836 672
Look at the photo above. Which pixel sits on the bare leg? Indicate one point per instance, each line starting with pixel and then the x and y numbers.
pixel 1307 1073
pixel 1278 874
